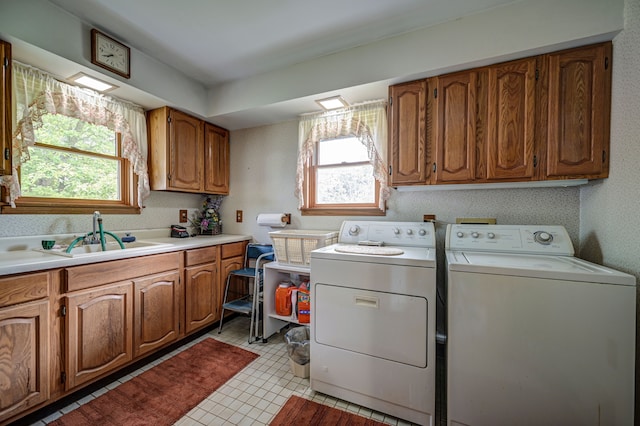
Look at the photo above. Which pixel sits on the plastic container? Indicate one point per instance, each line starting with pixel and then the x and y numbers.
pixel 304 306
pixel 294 247
pixel 283 299
pixel 297 340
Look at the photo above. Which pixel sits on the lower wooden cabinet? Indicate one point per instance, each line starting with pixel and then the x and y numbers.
pixel 201 295
pixel 63 329
pixel 156 312
pixel 99 332
pixel 24 357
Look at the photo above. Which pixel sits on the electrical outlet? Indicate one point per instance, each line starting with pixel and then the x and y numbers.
pixel 238 216
pixel 183 216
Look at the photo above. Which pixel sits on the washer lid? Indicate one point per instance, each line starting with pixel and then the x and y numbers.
pixel 536 266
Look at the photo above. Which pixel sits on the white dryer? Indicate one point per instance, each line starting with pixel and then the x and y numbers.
pixel 373 318
pixel 535 335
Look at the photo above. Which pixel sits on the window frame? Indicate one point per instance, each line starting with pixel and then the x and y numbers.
pixel 312 208
pixel 128 204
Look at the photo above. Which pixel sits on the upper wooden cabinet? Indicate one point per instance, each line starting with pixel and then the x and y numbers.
pixel 511 112
pixel 183 153
pixel 5 108
pixel 216 164
pixel 408 133
pixel 543 117
pixel 454 115
pixel 579 92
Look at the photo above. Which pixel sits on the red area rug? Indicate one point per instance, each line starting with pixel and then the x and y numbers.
pixel 166 392
pixel 299 411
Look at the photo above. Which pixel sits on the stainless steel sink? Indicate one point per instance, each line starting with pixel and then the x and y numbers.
pixel 96 249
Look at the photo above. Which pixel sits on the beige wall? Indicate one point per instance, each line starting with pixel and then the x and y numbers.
pixel 263 176
pixel 609 231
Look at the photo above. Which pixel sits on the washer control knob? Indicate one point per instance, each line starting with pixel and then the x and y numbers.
pixel 422 232
pixel 474 234
pixel 460 234
pixel 491 235
pixel 396 231
pixel 409 232
pixel 354 230
pixel 543 237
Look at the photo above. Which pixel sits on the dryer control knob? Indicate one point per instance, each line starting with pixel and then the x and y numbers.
pixel 491 235
pixel 475 235
pixel 422 232
pixel 396 231
pixel 409 232
pixel 543 237
pixel 460 234
pixel 354 230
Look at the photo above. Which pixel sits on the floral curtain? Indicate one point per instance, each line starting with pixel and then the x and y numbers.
pixel 366 121
pixel 37 93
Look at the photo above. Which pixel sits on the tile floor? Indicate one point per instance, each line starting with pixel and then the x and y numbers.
pixel 251 397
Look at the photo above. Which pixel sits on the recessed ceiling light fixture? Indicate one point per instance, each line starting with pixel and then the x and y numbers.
pixel 92 82
pixel 334 102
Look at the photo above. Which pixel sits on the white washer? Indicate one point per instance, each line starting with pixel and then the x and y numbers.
pixel 373 318
pixel 535 335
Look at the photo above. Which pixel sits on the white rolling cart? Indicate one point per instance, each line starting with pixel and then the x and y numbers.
pixel 274 274
pixel 293 257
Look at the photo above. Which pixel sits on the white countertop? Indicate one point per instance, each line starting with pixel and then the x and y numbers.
pixel 18 254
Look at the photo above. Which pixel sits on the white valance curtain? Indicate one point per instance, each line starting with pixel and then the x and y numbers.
pixel 366 121
pixel 37 93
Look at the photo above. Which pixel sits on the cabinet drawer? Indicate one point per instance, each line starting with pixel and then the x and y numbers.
pixel 201 255
pixel 24 288
pixel 233 249
pixel 87 276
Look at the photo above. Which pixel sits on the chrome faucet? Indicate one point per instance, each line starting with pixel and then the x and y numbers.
pixel 95 236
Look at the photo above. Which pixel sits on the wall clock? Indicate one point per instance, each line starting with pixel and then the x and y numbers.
pixel 110 54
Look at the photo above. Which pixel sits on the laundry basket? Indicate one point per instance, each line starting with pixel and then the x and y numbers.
pixel 294 247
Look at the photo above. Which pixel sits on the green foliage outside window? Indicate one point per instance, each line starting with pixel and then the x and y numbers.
pixel 72 159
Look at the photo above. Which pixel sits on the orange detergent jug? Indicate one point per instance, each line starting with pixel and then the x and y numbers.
pixel 304 306
pixel 283 299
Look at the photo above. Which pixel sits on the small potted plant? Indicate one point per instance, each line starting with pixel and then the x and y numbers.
pixel 206 221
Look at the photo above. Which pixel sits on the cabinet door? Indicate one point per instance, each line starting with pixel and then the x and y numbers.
pixel 511 120
pixel 201 293
pixel 99 331
pixel 157 312
pixel 408 133
pixel 578 116
pixel 455 128
pixel 216 163
pixel 185 156
pixel 5 108
pixel 24 357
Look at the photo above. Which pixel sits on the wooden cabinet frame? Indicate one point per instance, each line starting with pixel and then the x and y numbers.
pixel 539 118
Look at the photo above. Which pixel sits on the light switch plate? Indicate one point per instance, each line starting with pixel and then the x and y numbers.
pixel 183 216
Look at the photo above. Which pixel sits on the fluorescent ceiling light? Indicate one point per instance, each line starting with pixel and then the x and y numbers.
pixel 92 82
pixel 334 102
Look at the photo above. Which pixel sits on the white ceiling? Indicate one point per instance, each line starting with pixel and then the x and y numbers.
pixel 216 41
pixel 222 43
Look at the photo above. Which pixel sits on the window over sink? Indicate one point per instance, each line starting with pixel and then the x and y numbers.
pixel 73 150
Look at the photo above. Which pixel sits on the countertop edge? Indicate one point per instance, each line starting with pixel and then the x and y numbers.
pixel 37 261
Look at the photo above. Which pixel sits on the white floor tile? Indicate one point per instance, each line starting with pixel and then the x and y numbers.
pixel 255 395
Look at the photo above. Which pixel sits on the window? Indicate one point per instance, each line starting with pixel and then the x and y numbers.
pixel 342 175
pixel 341 166
pixel 73 159
pixel 75 166
pixel 74 150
